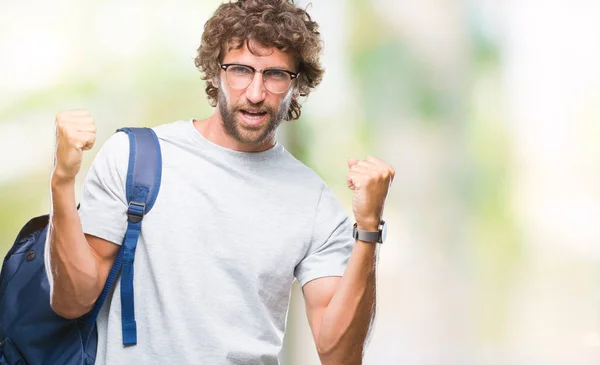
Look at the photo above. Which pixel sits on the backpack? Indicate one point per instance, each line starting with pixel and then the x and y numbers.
pixel 30 332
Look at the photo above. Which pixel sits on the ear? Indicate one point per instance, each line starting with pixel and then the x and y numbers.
pixel 214 84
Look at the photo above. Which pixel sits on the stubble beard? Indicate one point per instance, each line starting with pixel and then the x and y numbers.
pixel 247 134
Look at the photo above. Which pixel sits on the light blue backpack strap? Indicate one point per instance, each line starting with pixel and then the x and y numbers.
pixel 142 186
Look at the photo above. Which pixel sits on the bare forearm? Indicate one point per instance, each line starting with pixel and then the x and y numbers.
pixel 346 321
pixel 73 266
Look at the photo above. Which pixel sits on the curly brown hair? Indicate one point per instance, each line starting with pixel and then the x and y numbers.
pixel 270 23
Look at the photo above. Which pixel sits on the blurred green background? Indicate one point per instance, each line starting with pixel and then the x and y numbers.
pixel 488 110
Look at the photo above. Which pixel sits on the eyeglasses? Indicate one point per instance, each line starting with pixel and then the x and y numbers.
pixel 275 80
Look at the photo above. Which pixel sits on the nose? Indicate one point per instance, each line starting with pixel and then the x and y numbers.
pixel 256 92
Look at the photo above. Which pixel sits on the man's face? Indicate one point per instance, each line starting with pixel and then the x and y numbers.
pixel 252 115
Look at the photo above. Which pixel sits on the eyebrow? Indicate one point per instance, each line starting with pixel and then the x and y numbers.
pixel 266 68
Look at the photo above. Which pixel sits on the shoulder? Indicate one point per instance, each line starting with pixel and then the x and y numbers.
pixel 116 143
pixel 300 174
pixel 305 179
pixel 114 151
pixel 173 130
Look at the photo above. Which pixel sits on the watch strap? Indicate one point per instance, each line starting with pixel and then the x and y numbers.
pixel 366 236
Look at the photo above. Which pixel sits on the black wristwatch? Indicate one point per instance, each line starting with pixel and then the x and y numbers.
pixel 368 236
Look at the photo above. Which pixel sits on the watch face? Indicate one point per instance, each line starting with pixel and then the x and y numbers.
pixel 383 232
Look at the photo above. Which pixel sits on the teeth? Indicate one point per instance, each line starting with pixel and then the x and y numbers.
pixel 253 115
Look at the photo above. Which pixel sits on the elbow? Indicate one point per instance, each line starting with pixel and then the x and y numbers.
pixel 331 352
pixel 335 355
pixel 70 302
pixel 68 310
pixel 68 313
pixel 344 346
pixel 326 348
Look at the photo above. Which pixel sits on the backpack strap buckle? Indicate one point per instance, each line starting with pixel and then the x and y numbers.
pixel 136 211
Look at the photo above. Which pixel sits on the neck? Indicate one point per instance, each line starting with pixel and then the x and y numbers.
pixel 213 130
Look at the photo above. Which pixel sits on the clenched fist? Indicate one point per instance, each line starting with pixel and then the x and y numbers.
pixel 75 133
pixel 370 179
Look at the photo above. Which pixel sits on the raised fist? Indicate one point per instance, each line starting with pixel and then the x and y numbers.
pixel 75 133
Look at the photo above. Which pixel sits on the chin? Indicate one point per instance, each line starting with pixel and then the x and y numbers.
pixel 252 138
pixel 252 134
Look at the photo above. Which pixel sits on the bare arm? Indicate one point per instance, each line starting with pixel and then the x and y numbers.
pixel 79 264
pixel 341 310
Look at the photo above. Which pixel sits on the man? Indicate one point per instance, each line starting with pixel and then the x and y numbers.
pixel 237 217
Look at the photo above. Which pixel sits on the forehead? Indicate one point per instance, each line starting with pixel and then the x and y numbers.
pixel 261 57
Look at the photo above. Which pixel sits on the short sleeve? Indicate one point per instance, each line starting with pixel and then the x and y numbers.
pixel 331 242
pixel 103 205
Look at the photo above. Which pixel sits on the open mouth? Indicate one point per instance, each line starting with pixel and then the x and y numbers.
pixel 253 114
pixel 253 118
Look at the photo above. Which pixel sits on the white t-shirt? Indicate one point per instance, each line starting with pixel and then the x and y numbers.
pixel 217 253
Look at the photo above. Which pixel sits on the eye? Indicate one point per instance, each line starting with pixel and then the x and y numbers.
pixel 240 70
pixel 277 74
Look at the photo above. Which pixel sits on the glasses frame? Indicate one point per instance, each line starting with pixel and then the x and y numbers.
pixel 293 75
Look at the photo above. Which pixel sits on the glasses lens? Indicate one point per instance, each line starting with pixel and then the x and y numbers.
pixel 277 81
pixel 239 77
